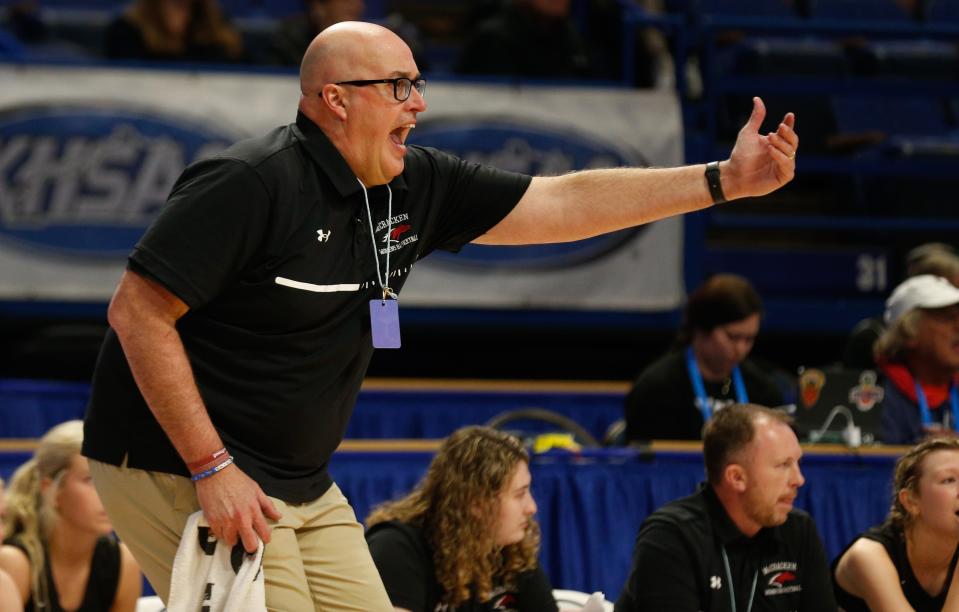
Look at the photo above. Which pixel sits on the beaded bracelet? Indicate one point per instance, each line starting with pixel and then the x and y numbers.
pixel 213 470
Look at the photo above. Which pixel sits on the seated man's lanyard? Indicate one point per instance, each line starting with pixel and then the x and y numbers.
pixel 702 400
pixel 729 583
pixel 924 407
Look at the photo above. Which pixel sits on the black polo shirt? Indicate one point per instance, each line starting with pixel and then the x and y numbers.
pixel 269 245
pixel 678 563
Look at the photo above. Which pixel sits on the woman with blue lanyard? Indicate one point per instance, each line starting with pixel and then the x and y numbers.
pixel 919 356
pixel 677 394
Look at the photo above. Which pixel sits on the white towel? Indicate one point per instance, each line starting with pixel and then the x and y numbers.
pixel 209 576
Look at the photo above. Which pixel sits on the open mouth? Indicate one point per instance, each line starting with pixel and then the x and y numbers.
pixel 400 134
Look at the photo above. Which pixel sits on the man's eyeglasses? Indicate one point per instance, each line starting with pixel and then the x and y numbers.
pixel 402 86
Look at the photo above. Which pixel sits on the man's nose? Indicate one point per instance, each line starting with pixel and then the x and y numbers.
pixel 417 102
pixel 798 478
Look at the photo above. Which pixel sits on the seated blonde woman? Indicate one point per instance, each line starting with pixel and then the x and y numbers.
pixel 59 548
pixel 9 595
pixel 465 538
pixel 909 562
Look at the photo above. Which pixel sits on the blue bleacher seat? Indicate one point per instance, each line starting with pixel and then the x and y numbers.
pixel 10 47
pixel 776 56
pixel 910 59
pixel 894 115
pixel 944 12
pixel 249 9
pixel 867 10
pixel 749 8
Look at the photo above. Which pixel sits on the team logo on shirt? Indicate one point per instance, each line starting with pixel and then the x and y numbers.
pixel 781 578
pixel 398 231
pixel 397 235
pixel 505 602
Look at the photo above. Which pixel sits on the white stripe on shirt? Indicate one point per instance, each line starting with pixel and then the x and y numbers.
pixel 316 288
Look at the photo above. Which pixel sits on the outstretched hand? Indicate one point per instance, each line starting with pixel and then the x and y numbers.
pixel 234 507
pixel 761 163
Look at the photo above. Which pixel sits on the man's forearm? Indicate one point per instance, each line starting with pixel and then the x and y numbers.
pixel 592 202
pixel 585 204
pixel 145 323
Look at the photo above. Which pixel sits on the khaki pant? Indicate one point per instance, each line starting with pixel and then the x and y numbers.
pixel 317 558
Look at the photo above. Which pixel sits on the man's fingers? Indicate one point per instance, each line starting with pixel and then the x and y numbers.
pixel 266 504
pixel 261 528
pixel 227 534
pixel 756 118
pixel 249 539
pixel 790 120
pixel 782 145
pixel 788 134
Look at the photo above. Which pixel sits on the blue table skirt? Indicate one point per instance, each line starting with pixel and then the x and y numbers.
pixel 591 505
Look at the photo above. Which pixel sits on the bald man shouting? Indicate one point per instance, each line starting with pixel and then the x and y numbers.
pixel 248 313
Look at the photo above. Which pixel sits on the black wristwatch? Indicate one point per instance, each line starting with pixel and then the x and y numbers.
pixel 714 184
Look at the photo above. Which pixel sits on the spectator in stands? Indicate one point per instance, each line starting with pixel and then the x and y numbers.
pixel 9 593
pixel 677 394
pixel 173 30
pixel 295 32
pixel 909 562
pixel 527 38
pixel 919 355
pixel 465 538
pixel 59 548
pixel 737 543
pixel 932 258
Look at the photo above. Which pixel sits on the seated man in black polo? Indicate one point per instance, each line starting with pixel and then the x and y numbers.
pixel 736 544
